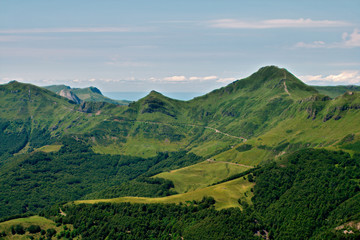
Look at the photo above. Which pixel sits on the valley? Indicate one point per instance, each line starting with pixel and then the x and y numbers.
pixel 266 151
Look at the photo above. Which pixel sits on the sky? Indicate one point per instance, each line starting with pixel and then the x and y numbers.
pixel 176 46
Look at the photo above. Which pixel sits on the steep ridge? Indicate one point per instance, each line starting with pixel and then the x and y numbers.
pixel 69 95
pixel 32 117
pixel 89 94
pixel 251 106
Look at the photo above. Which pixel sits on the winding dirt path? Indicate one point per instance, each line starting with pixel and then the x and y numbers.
pixel 286 89
pixel 62 213
pixel 232 163
pixel 183 124
pixel 226 134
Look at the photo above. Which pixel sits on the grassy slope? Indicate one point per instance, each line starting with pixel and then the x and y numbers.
pixel 301 132
pixel 44 223
pixel 226 195
pixel 201 175
pixel 49 148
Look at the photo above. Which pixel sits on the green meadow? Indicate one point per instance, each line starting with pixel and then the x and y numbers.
pixel 201 175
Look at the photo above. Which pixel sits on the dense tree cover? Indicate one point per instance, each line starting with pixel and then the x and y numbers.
pixel 14 136
pixel 30 182
pixel 308 195
pixel 156 221
pixel 139 187
pixel 296 198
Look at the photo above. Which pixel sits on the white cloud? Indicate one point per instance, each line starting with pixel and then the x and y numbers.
pixel 353 39
pixel 276 23
pixel 348 41
pixel 343 78
pixel 92 80
pixel 207 78
pixel 183 79
pixel 210 78
pixel 226 80
pixel 127 64
pixel 108 80
pixel 175 79
pixel 315 44
pixel 67 30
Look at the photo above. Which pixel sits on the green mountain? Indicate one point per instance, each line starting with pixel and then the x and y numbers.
pixel 257 109
pixel 258 144
pixel 90 94
pixel 335 91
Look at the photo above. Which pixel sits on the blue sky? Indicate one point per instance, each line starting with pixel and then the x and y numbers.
pixel 176 46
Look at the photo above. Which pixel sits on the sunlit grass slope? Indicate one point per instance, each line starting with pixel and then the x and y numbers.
pixel 201 175
pixel 225 194
pixel 42 222
pixel 50 148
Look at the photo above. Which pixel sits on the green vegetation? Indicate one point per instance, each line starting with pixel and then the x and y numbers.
pixel 310 194
pixel 225 194
pixel 156 221
pixel 271 104
pixel 257 131
pixel 201 175
pixel 33 227
pixel 141 186
pixel 49 148
pixel 304 195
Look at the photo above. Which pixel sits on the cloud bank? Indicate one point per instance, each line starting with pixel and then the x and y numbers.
pixel 276 23
pixel 349 40
pixel 343 78
pixel 68 30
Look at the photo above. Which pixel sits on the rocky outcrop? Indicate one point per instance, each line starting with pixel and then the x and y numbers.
pixel 69 95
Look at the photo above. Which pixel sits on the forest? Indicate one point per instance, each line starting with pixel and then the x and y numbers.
pixel 305 195
pixel 35 180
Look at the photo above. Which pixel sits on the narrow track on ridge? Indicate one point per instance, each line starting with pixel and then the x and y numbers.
pixel 184 124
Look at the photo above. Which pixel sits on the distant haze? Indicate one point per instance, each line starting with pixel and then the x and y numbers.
pixel 134 96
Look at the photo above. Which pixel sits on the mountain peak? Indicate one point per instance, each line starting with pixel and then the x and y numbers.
pixel 271 72
pixel 153 92
pixel 268 81
pixel 95 90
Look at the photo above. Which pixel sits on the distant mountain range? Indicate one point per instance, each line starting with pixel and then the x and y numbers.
pixel 252 108
pixel 78 95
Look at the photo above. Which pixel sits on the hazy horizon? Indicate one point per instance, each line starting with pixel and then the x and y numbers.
pixel 182 46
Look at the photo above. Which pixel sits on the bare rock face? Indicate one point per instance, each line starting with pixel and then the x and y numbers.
pixel 69 95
